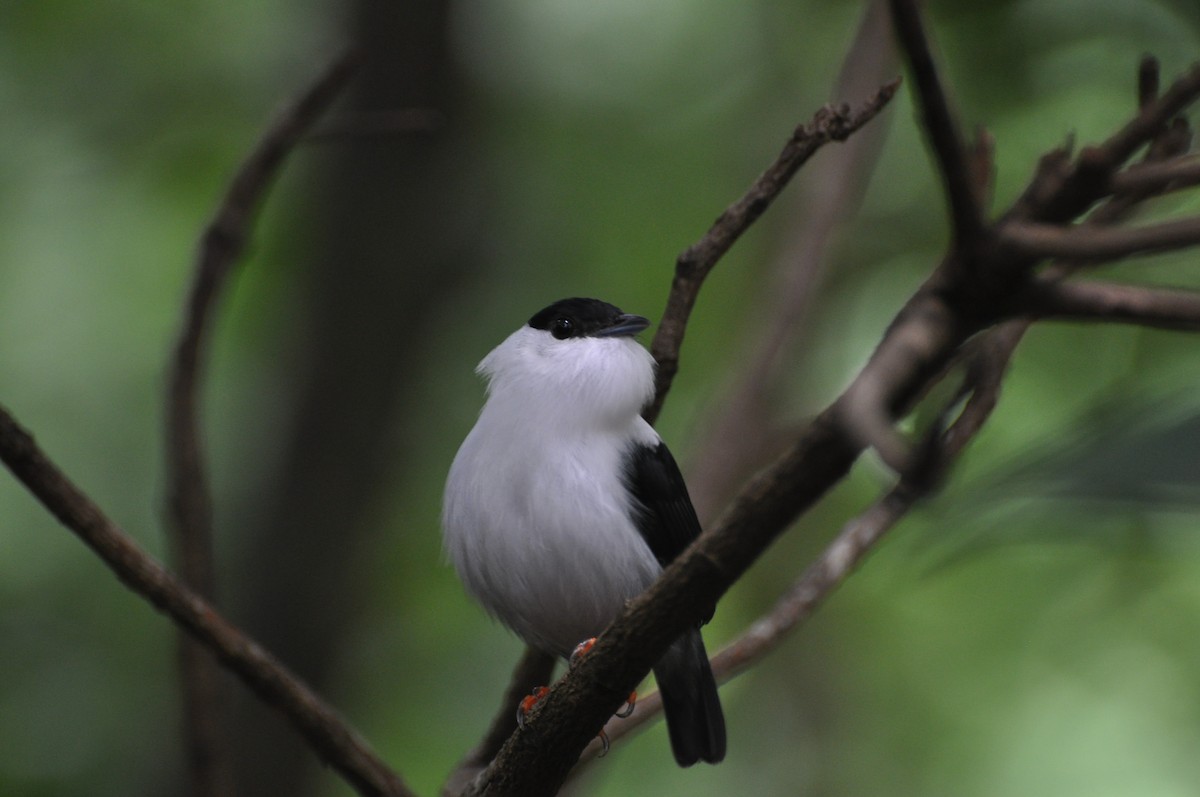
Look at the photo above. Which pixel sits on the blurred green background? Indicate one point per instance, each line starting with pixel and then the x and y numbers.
pixel 1031 631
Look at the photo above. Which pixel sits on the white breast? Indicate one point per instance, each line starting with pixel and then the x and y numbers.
pixel 536 517
pixel 539 541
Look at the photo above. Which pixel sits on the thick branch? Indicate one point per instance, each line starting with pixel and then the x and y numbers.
pixel 378 124
pixel 798 604
pixel 328 734
pixel 695 262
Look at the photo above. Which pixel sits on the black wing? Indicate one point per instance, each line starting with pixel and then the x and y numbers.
pixel 662 510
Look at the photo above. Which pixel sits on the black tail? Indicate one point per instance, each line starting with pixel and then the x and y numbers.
pixel 695 722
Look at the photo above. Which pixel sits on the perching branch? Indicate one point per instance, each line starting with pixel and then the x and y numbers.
pixel 695 262
pixel 188 503
pixel 328 733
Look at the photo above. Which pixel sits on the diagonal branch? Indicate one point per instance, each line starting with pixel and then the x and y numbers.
pixel 695 262
pixel 188 501
pixel 985 367
pixel 962 197
pixel 916 348
pixel 320 725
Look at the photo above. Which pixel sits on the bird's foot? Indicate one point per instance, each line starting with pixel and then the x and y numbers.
pixel 626 711
pixel 528 702
pixel 580 651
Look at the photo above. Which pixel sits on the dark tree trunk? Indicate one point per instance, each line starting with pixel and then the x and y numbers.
pixel 381 258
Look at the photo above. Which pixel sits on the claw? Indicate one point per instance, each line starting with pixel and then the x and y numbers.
pixel 580 651
pixel 528 702
pixel 603 737
pixel 626 710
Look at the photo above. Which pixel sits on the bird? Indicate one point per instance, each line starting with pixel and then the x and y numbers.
pixel 563 503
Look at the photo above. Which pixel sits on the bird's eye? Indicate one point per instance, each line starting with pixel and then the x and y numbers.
pixel 562 328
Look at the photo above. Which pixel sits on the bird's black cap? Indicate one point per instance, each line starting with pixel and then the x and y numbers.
pixel 578 318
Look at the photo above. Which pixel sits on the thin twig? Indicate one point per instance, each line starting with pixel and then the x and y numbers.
pixel 330 736
pixel 1158 176
pixel 188 501
pixel 1070 190
pixel 1147 81
pixel 743 431
pixel 822 577
pixel 1098 244
pixel 796 605
pixel 695 262
pixel 1148 124
pixel 1160 308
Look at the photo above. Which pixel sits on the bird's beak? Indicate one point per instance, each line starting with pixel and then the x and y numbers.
pixel 624 325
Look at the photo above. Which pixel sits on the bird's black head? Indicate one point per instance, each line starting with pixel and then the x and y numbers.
pixel 579 318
